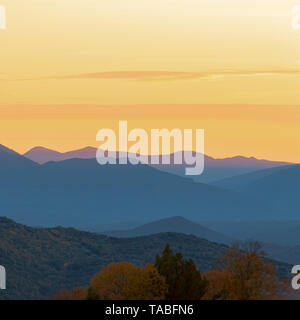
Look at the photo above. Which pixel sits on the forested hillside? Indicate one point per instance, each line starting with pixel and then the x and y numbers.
pixel 39 262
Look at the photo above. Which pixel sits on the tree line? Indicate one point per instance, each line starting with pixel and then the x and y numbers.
pixel 243 274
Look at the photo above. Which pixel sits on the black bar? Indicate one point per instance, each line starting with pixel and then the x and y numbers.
pixel 149 309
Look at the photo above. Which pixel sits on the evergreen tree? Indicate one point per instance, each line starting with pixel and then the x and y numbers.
pixel 184 281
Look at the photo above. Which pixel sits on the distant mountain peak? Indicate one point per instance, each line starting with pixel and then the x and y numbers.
pixel 40 148
pixel 88 148
pixel 43 155
pixel 177 218
pixel 173 220
pixel 6 150
pixel 177 224
pixel 10 159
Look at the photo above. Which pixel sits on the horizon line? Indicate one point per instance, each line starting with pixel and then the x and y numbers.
pixel 145 155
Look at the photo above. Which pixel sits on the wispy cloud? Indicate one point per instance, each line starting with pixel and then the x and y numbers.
pixel 168 75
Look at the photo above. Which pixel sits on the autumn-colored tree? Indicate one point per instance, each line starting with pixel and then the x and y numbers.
pixel 245 275
pixel 219 285
pixel 124 281
pixel 75 294
pixel 182 277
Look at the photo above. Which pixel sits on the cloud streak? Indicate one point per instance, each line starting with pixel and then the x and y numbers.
pixel 167 75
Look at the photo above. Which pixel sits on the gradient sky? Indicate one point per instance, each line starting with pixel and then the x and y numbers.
pixel 71 67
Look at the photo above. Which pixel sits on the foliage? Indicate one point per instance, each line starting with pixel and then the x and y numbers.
pixel 245 276
pixel 75 294
pixel 39 262
pixel 124 281
pixel 184 280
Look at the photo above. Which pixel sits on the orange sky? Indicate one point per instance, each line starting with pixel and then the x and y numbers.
pixel 69 68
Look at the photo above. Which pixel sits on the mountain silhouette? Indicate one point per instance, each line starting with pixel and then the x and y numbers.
pixel 42 155
pixel 78 192
pixel 11 159
pixel 280 191
pixel 14 167
pixel 240 182
pixel 276 188
pixel 173 224
pixel 279 232
pixel 215 169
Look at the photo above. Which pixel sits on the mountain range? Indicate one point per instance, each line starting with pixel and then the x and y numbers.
pixel 215 169
pixel 79 191
pixel 276 188
pixel 40 262
pixel 286 253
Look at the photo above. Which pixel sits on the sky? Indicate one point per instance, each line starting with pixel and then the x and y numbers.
pixel 71 67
